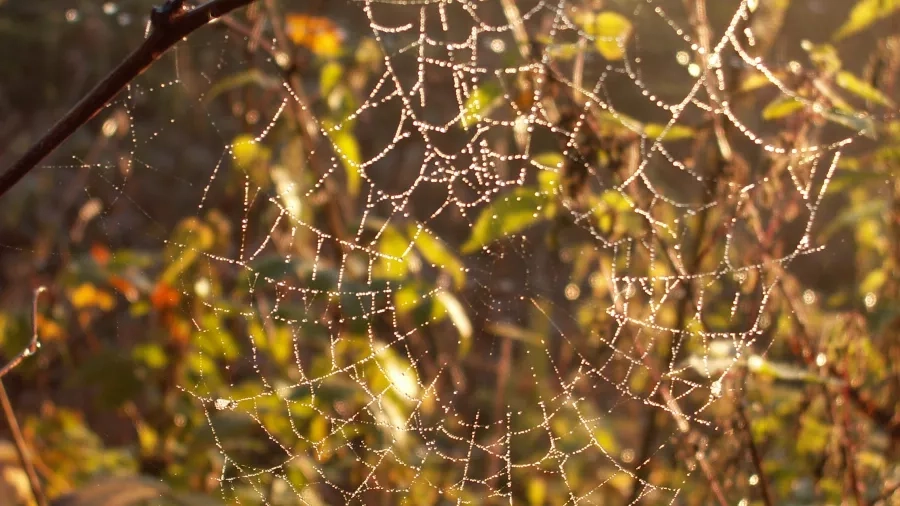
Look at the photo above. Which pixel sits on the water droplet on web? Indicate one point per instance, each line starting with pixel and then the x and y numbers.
pixel 223 404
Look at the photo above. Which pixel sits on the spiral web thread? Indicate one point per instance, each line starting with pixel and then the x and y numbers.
pixel 394 417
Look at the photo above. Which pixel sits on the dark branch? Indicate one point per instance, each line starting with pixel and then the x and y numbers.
pixel 170 24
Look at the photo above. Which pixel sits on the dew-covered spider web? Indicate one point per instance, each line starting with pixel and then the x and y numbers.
pixel 506 252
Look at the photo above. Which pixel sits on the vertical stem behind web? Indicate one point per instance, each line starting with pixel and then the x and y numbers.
pixel 22 447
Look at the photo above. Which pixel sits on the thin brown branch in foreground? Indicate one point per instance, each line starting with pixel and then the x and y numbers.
pixel 21 447
pixel 170 24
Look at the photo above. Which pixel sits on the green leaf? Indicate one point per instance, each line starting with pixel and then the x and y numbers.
pixel 549 177
pixel 481 101
pixel 247 152
pixel 192 237
pixel 394 246
pixel 348 149
pixel 825 56
pixel 860 123
pixel 368 52
pixel 550 160
pixel 864 14
pixel 548 182
pixel 756 80
pixel 214 339
pixel 330 77
pixel 507 215
pixel 813 437
pixel 607 207
pixel 781 107
pixel 855 214
pixel 846 179
pixel 435 251
pixel 862 89
pixel 449 303
pixel 150 354
pixel 674 133
pixel 253 76
pixel 563 52
pixel 873 282
pixel 611 31
pixel 289 192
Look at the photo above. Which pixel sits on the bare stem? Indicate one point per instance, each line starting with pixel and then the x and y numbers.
pixel 15 431
pixel 756 457
pixel 34 344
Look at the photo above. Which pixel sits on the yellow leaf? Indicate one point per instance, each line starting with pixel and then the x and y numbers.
pixel 247 152
pixel 674 133
pixel 611 31
pixel 537 492
pixel 48 329
pixel 318 34
pixel 345 144
pixel 864 13
pixel 756 80
pixel 87 295
pixel 781 107
pixel 327 44
pixel 480 102
pixel 435 251
pixel 862 89
pixel 459 318
pixel 331 75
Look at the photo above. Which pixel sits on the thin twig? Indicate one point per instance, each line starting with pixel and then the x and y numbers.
pixel 15 431
pixel 21 448
pixel 169 26
pixel 34 344
pixel 755 457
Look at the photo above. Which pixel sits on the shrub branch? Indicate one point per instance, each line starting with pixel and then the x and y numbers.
pixel 169 24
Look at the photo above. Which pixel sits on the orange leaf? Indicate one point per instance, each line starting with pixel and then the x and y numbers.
pixel 100 254
pixel 178 329
pixel 125 287
pixel 318 34
pixel 164 296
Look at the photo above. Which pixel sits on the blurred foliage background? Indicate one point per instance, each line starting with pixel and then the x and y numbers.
pixel 148 341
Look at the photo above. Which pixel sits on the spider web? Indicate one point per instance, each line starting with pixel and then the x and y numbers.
pixel 384 402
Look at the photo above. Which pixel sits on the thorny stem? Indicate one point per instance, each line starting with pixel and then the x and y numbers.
pixel 169 26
